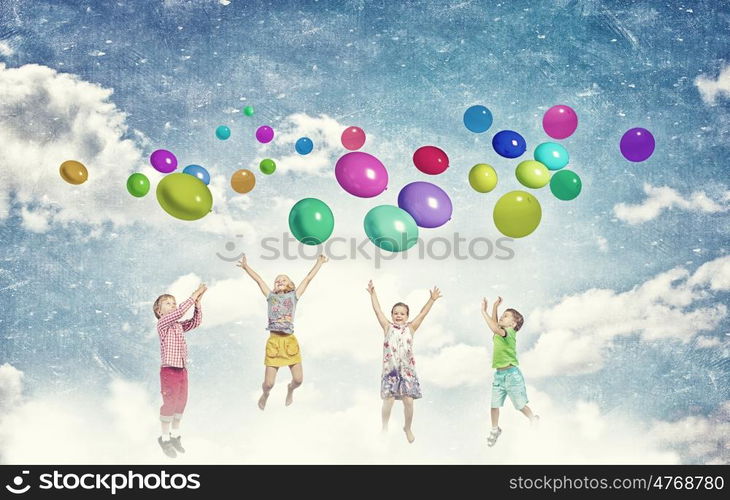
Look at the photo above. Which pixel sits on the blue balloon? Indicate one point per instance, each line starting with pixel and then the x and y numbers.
pixel 199 172
pixel 304 145
pixel 553 155
pixel 509 144
pixel 478 119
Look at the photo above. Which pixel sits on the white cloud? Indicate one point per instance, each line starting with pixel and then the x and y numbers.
pixel 665 198
pixel 710 89
pixel 5 49
pixel 708 342
pixel 325 133
pixel 455 365
pixel 48 117
pixel 11 385
pixel 577 329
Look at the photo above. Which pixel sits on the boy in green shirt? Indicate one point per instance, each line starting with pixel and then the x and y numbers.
pixel 508 379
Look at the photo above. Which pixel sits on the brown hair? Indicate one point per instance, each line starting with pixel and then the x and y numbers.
pixel 156 305
pixel 519 320
pixel 408 311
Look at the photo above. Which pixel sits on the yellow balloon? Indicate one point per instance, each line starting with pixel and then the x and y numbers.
pixel 243 181
pixel 483 177
pixel 74 172
pixel 517 214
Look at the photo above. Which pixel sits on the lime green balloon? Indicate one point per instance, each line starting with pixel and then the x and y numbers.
pixel 311 221
pixel 517 214
pixel 391 228
pixel 267 166
pixel 483 177
pixel 138 185
pixel 184 196
pixel 532 174
pixel 565 185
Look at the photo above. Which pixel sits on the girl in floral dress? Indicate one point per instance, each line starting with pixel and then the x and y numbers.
pixel 399 380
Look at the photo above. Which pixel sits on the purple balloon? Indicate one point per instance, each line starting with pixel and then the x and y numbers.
pixel 264 134
pixel 427 203
pixel 163 161
pixel 637 144
pixel 361 174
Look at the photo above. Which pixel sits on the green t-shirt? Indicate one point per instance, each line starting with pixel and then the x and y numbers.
pixel 505 349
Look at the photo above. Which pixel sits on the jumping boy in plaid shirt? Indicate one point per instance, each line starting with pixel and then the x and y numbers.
pixel 173 371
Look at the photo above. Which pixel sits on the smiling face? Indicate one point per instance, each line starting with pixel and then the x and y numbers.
pixel 507 320
pixel 283 284
pixel 399 314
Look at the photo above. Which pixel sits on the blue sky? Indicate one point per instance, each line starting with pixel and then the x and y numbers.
pixel 624 289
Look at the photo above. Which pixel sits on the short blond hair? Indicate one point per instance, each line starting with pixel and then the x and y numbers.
pixel 158 301
pixel 291 287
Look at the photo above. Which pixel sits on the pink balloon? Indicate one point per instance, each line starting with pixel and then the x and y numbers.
pixel 560 121
pixel 361 174
pixel 353 138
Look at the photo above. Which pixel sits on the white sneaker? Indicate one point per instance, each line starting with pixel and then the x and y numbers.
pixel 493 435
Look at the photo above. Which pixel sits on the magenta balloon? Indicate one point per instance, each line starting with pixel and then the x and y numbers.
pixel 428 204
pixel 361 174
pixel 264 134
pixel 560 121
pixel 163 161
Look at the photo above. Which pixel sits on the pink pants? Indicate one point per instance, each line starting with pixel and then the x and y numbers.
pixel 174 384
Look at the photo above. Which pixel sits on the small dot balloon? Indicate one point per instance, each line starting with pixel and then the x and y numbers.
pixel 637 144
pixel 264 134
pixel 199 172
pixel 138 185
pixel 553 155
pixel 267 166
pixel 509 144
pixel 353 138
pixel 560 121
pixel 565 185
pixel 304 145
pixel 430 160
pixel 483 178
pixel 73 172
pixel 248 111
pixel 163 161
pixel 243 181
pixel 222 132
pixel 477 119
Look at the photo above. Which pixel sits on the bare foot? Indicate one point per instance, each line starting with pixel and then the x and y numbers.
pixel 289 395
pixel 409 435
pixel 262 400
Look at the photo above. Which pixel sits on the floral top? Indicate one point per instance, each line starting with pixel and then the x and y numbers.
pixel 281 311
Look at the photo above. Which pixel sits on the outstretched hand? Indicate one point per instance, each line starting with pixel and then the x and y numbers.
pixel 484 305
pixel 199 292
pixel 498 301
pixel 242 263
pixel 435 294
pixel 322 259
pixel 371 287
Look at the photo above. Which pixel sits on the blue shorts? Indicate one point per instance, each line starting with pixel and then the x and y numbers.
pixel 509 382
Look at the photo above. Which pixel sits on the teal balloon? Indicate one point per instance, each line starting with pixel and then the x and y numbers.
pixel 565 185
pixel 138 185
pixel 553 155
pixel 222 132
pixel 391 228
pixel 184 196
pixel 311 221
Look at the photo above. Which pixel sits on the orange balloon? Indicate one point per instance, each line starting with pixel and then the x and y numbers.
pixel 243 181
pixel 74 172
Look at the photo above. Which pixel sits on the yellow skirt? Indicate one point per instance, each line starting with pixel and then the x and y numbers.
pixel 282 350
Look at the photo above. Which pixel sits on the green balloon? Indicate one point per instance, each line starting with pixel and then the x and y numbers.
pixel 248 111
pixel 311 221
pixel 138 185
pixel 391 228
pixel 184 196
pixel 267 166
pixel 565 185
pixel 532 174
pixel 517 214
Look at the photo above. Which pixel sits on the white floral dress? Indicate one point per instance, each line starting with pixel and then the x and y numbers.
pixel 399 365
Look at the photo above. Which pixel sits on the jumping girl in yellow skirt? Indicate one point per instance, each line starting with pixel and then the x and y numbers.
pixel 282 348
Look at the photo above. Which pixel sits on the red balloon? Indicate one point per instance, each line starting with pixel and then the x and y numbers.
pixel 430 160
pixel 353 138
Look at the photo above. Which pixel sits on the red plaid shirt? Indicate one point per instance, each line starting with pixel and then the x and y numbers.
pixel 173 348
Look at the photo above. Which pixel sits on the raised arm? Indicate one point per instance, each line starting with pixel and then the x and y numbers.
pixel 495 312
pixel 168 319
pixel 195 321
pixel 435 295
pixel 243 264
pixel 305 282
pixel 376 306
pixel 493 324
